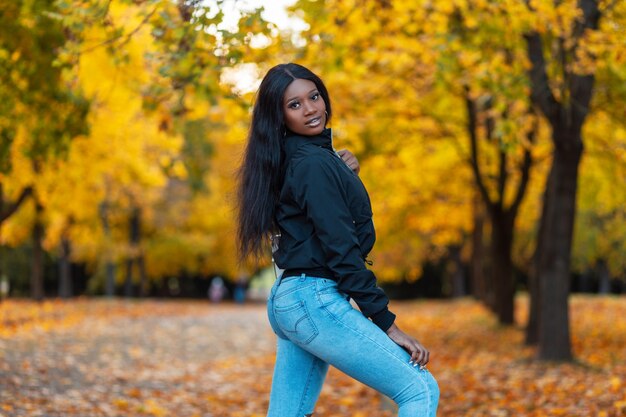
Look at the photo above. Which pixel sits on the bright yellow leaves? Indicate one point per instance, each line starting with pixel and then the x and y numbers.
pixel 121 160
pixel 603 50
pixel 162 77
pixel 398 73
pixel 557 18
pixel 420 62
pixel 600 225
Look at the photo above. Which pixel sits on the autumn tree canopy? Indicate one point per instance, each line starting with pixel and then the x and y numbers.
pixel 124 116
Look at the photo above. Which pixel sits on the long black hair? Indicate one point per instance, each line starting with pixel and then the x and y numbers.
pixel 262 171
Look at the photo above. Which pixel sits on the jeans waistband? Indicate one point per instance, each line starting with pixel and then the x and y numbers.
pixel 311 272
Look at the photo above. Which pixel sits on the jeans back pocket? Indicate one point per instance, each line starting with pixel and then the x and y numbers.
pixel 328 293
pixel 295 322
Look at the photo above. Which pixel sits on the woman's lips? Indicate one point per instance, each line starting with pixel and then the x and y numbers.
pixel 314 122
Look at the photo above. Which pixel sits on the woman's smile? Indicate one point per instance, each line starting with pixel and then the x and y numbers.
pixel 304 108
pixel 314 122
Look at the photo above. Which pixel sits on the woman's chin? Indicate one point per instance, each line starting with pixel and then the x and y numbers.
pixel 310 131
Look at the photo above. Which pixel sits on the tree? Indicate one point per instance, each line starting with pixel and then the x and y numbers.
pixel 502 216
pixel 154 79
pixel 566 113
pixel 380 73
pixel 475 55
pixel 438 71
pixel 40 114
pixel 481 61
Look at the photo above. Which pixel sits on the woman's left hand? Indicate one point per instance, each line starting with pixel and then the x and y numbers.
pixel 419 354
pixel 350 160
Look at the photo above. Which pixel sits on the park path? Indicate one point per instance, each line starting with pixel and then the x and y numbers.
pixel 149 358
pixel 144 365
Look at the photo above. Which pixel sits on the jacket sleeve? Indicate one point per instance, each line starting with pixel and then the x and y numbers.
pixel 323 197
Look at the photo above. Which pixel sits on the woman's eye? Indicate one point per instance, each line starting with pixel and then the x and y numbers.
pixel 294 105
pixel 315 96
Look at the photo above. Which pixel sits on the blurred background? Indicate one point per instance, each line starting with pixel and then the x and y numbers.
pixel 491 137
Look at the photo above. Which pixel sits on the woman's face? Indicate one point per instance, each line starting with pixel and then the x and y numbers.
pixel 304 108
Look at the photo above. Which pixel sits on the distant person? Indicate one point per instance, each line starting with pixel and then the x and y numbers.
pixel 4 287
pixel 217 290
pixel 241 286
pixel 293 184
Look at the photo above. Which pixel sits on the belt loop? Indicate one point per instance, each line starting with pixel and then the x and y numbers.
pixel 302 277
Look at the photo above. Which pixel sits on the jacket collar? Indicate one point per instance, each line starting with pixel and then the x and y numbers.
pixel 294 141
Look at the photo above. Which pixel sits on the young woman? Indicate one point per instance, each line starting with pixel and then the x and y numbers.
pixel 293 184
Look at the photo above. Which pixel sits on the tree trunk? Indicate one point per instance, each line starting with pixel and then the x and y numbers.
pixel 109 285
pixel 534 289
pixel 554 259
pixel 7 209
pixel 4 279
pixel 65 273
pixel 490 285
pixel 134 235
pixel 143 281
pixel 532 327
pixel 566 114
pixel 36 278
pixel 501 244
pixel 585 285
pixel 4 282
pixel 141 266
pixel 502 218
pixel 110 279
pixel 604 277
pixel 478 253
pixel 128 281
pixel 456 273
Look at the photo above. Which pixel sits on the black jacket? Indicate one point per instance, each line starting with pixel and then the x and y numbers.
pixel 325 220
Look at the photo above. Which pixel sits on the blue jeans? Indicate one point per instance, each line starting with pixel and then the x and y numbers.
pixel 316 326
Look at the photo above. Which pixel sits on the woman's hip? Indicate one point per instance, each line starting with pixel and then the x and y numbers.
pixel 299 306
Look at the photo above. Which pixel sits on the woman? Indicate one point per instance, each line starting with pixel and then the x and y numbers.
pixel 293 184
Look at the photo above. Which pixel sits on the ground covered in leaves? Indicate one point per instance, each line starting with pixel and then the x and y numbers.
pixel 86 358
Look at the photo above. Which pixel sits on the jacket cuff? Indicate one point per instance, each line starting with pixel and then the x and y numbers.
pixel 383 319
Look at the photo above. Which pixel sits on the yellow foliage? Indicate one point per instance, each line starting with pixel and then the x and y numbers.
pixel 398 83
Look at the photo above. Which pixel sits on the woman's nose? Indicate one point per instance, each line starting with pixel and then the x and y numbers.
pixel 308 108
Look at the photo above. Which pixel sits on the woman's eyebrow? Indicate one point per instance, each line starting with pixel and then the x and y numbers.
pixel 293 98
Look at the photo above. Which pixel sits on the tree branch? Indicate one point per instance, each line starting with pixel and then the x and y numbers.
pixel 526 165
pixel 541 95
pixel 502 177
pixel 503 160
pixel 126 37
pixel 581 86
pixel 7 212
pixel 473 133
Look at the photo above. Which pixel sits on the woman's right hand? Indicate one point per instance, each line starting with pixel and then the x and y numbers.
pixel 350 160
pixel 419 354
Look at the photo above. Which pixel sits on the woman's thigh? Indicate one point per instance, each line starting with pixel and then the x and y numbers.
pixel 359 348
pixel 298 375
pixel 297 381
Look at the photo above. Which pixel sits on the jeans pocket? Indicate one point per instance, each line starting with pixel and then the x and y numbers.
pixel 294 321
pixel 328 294
pixel 272 319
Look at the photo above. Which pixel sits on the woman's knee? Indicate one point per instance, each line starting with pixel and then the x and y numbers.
pixel 424 390
pixel 433 388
